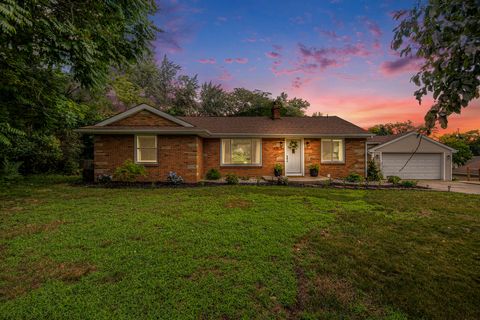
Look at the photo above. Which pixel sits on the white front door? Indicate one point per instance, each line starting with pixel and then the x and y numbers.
pixel 293 157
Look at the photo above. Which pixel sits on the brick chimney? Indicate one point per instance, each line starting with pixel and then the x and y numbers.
pixel 275 111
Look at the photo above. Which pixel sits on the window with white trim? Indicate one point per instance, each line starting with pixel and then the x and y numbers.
pixel 146 149
pixel 241 152
pixel 333 150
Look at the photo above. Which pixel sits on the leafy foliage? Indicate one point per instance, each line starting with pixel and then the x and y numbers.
pixel 471 138
pixel 354 177
pixel 277 170
pixel 10 171
pixel 373 171
pixel 445 36
pixel 55 59
pixel 129 171
pixel 174 179
pixel 392 128
pixel 408 183
pixel 463 153
pixel 394 179
pixel 282 181
pixel 231 178
pixel 213 174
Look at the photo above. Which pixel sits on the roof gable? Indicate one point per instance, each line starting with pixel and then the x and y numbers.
pixel 143 115
pixel 407 135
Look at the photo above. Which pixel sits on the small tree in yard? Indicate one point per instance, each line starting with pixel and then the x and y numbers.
pixel 463 153
pixel 373 171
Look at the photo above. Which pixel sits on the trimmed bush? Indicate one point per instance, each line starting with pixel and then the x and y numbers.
pixel 354 177
pixel 282 181
pixel 373 171
pixel 174 178
pixel 10 171
pixel 394 179
pixel 213 174
pixel 408 183
pixel 104 179
pixel 231 178
pixel 129 171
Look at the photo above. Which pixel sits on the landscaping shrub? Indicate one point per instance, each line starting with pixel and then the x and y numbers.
pixel 394 179
pixel 10 171
pixel 129 171
pixel 174 178
pixel 213 174
pixel 314 170
pixel 104 179
pixel 282 181
pixel 408 183
pixel 354 177
pixel 231 178
pixel 278 170
pixel 373 171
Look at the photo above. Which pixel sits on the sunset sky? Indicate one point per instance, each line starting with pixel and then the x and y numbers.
pixel 334 53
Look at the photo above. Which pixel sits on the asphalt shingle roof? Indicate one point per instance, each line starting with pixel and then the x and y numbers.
pixel 284 125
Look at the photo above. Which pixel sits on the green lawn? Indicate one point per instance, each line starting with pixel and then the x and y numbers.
pixel 232 252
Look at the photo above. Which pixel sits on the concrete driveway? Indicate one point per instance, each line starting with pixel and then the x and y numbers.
pixel 471 187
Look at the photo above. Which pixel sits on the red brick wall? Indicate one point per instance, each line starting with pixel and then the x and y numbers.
pixel 175 153
pixel 354 158
pixel 144 118
pixel 191 157
pixel 272 153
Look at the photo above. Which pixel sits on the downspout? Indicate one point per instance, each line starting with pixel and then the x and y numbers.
pixel 366 158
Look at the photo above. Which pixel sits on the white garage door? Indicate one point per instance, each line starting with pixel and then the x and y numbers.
pixel 421 166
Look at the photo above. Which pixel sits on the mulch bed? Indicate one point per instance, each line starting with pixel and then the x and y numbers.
pixel 324 184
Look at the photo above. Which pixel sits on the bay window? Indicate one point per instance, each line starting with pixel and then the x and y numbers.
pixel 333 150
pixel 241 152
pixel 146 149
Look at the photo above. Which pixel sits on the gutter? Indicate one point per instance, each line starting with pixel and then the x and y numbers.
pixel 207 134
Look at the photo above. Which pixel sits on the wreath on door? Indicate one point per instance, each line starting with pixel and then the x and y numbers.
pixel 293 144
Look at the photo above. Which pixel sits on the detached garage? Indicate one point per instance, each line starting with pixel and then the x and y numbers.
pixel 412 156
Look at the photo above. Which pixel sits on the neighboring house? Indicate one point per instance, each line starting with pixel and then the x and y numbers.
pixel 473 166
pixel 411 156
pixel 245 146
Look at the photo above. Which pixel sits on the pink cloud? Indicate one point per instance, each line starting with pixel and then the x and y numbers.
pixel 374 28
pixel 225 75
pixel 332 35
pixel 241 60
pixel 237 60
pixel 207 61
pixel 400 65
pixel 272 55
pixel 299 82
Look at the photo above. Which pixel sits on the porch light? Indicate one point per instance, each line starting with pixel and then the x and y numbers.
pixel 280 143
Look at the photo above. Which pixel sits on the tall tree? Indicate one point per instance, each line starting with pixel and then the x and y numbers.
pixel 463 153
pixel 445 36
pixel 50 50
pixel 214 100
pixel 386 129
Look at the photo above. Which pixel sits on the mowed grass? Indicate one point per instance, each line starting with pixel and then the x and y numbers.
pixel 74 252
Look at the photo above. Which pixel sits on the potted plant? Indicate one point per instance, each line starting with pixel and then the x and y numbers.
pixel 277 170
pixel 314 170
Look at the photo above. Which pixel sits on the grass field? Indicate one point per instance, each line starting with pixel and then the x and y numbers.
pixel 74 252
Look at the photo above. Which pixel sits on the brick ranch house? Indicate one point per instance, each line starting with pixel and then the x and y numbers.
pixel 245 146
